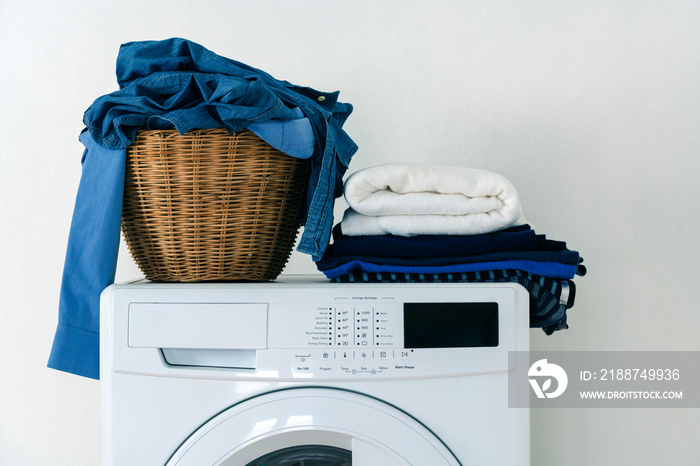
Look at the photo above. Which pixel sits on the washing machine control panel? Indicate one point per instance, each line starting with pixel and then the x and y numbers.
pixel 375 336
pixel 320 332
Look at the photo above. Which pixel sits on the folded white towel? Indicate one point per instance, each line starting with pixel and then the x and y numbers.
pixel 409 200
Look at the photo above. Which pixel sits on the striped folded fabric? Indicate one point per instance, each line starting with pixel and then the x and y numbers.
pixel 549 298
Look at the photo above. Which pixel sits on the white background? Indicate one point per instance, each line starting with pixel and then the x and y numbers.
pixel 591 108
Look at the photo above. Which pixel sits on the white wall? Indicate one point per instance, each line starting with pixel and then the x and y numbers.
pixel 591 108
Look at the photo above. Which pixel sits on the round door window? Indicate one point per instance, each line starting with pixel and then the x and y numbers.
pixel 307 455
pixel 313 427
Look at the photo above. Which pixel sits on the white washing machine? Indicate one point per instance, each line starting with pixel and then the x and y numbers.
pixel 304 372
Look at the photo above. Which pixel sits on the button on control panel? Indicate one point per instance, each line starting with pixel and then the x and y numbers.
pixel 357 362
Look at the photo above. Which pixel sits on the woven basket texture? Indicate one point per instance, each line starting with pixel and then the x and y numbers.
pixel 208 205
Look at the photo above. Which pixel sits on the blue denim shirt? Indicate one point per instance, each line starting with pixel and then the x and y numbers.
pixel 168 84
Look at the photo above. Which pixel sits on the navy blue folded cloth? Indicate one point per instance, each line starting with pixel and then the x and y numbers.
pixel 544 267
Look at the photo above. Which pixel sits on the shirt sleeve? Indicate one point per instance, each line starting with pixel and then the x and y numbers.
pixel 91 259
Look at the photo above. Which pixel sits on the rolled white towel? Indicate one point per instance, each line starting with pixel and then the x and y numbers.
pixel 409 200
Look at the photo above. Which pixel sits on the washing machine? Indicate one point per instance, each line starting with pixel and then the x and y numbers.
pixel 305 372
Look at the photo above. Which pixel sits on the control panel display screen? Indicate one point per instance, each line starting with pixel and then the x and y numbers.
pixel 450 325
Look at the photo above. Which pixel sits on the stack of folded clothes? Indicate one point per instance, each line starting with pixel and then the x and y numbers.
pixel 425 223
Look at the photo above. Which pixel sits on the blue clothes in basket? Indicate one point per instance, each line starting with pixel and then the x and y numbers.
pixel 179 84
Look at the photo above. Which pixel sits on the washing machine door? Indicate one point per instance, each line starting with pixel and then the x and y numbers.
pixel 313 427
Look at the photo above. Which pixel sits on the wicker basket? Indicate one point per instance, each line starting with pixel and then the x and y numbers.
pixel 208 205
